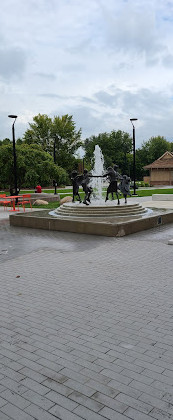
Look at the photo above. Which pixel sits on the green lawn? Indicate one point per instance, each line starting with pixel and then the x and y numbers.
pixel 52 205
pixel 148 192
pixel 140 193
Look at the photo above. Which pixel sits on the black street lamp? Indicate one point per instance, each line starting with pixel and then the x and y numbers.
pixel 55 186
pixel 14 153
pixel 54 158
pixel 134 157
pixel 55 137
pixel 54 151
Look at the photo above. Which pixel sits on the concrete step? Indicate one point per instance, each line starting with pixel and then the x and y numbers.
pixel 80 210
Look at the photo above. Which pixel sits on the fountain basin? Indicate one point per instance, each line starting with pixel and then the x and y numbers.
pixel 100 209
pixel 116 226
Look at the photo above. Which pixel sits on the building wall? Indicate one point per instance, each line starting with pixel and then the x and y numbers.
pixel 161 177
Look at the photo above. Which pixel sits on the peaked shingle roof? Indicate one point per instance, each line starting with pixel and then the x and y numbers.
pixel 164 162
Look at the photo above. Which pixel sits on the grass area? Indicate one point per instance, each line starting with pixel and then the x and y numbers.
pixel 52 205
pixel 149 192
pixel 140 193
pixel 68 191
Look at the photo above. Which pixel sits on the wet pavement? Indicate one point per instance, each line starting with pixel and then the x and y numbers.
pixel 16 241
pixel 85 325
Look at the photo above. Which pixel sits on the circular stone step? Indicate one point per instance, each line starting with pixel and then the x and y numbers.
pixel 103 210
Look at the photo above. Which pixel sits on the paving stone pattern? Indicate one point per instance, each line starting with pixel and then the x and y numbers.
pixel 86 326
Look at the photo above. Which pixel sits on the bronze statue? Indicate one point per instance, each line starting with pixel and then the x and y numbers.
pixel 76 181
pixel 112 174
pixel 113 177
pixel 124 187
pixel 83 180
pixel 85 185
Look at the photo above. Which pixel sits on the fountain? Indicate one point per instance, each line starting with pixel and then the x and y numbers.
pixel 97 183
pixel 98 217
pixel 98 207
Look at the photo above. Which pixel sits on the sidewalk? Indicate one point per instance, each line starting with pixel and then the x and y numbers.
pixel 85 325
pixel 4 215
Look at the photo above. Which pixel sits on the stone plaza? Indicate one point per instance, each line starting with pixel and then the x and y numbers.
pixel 86 325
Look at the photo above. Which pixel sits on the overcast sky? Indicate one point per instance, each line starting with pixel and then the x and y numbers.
pixel 102 61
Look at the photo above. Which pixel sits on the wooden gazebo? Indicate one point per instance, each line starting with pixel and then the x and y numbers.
pixel 161 170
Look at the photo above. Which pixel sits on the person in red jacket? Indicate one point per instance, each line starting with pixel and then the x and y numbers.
pixel 38 189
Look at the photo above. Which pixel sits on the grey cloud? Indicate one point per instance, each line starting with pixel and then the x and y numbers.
pixel 73 68
pixel 87 100
pixel 80 45
pixel 85 117
pixel 89 119
pixel 51 95
pixel 143 101
pixel 93 123
pixel 12 63
pixel 153 127
pixel 146 102
pixel 48 76
pixel 5 126
pixel 153 110
pixel 105 98
pixel 167 61
pixel 66 98
pixel 151 61
pixel 133 29
pixel 74 98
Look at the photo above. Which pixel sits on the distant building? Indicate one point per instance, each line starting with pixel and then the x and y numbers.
pixel 161 170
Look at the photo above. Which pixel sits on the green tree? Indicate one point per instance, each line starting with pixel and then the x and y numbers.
pixel 140 162
pixel 66 141
pixel 58 136
pixel 154 148
pixel 5 141
pixel 19 141
pixel 149 152
pixel 116 147
pixel 33 166
pixel 39 132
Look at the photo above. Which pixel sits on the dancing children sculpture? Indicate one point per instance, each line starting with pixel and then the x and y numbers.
pixel 76 181
pixel 113 177
pixel 83 180
pixel 112 174
pixel 124 187
pixel 85 185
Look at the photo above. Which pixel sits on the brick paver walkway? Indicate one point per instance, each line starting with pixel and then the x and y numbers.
pixel 86 326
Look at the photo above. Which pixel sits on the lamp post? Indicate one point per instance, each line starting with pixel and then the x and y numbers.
pixel 55 137
pixel 134 157
pixel 14 153
pixel 54 158
pixel 54 150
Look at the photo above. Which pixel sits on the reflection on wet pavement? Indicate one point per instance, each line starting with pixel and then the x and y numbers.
pixel 16 241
